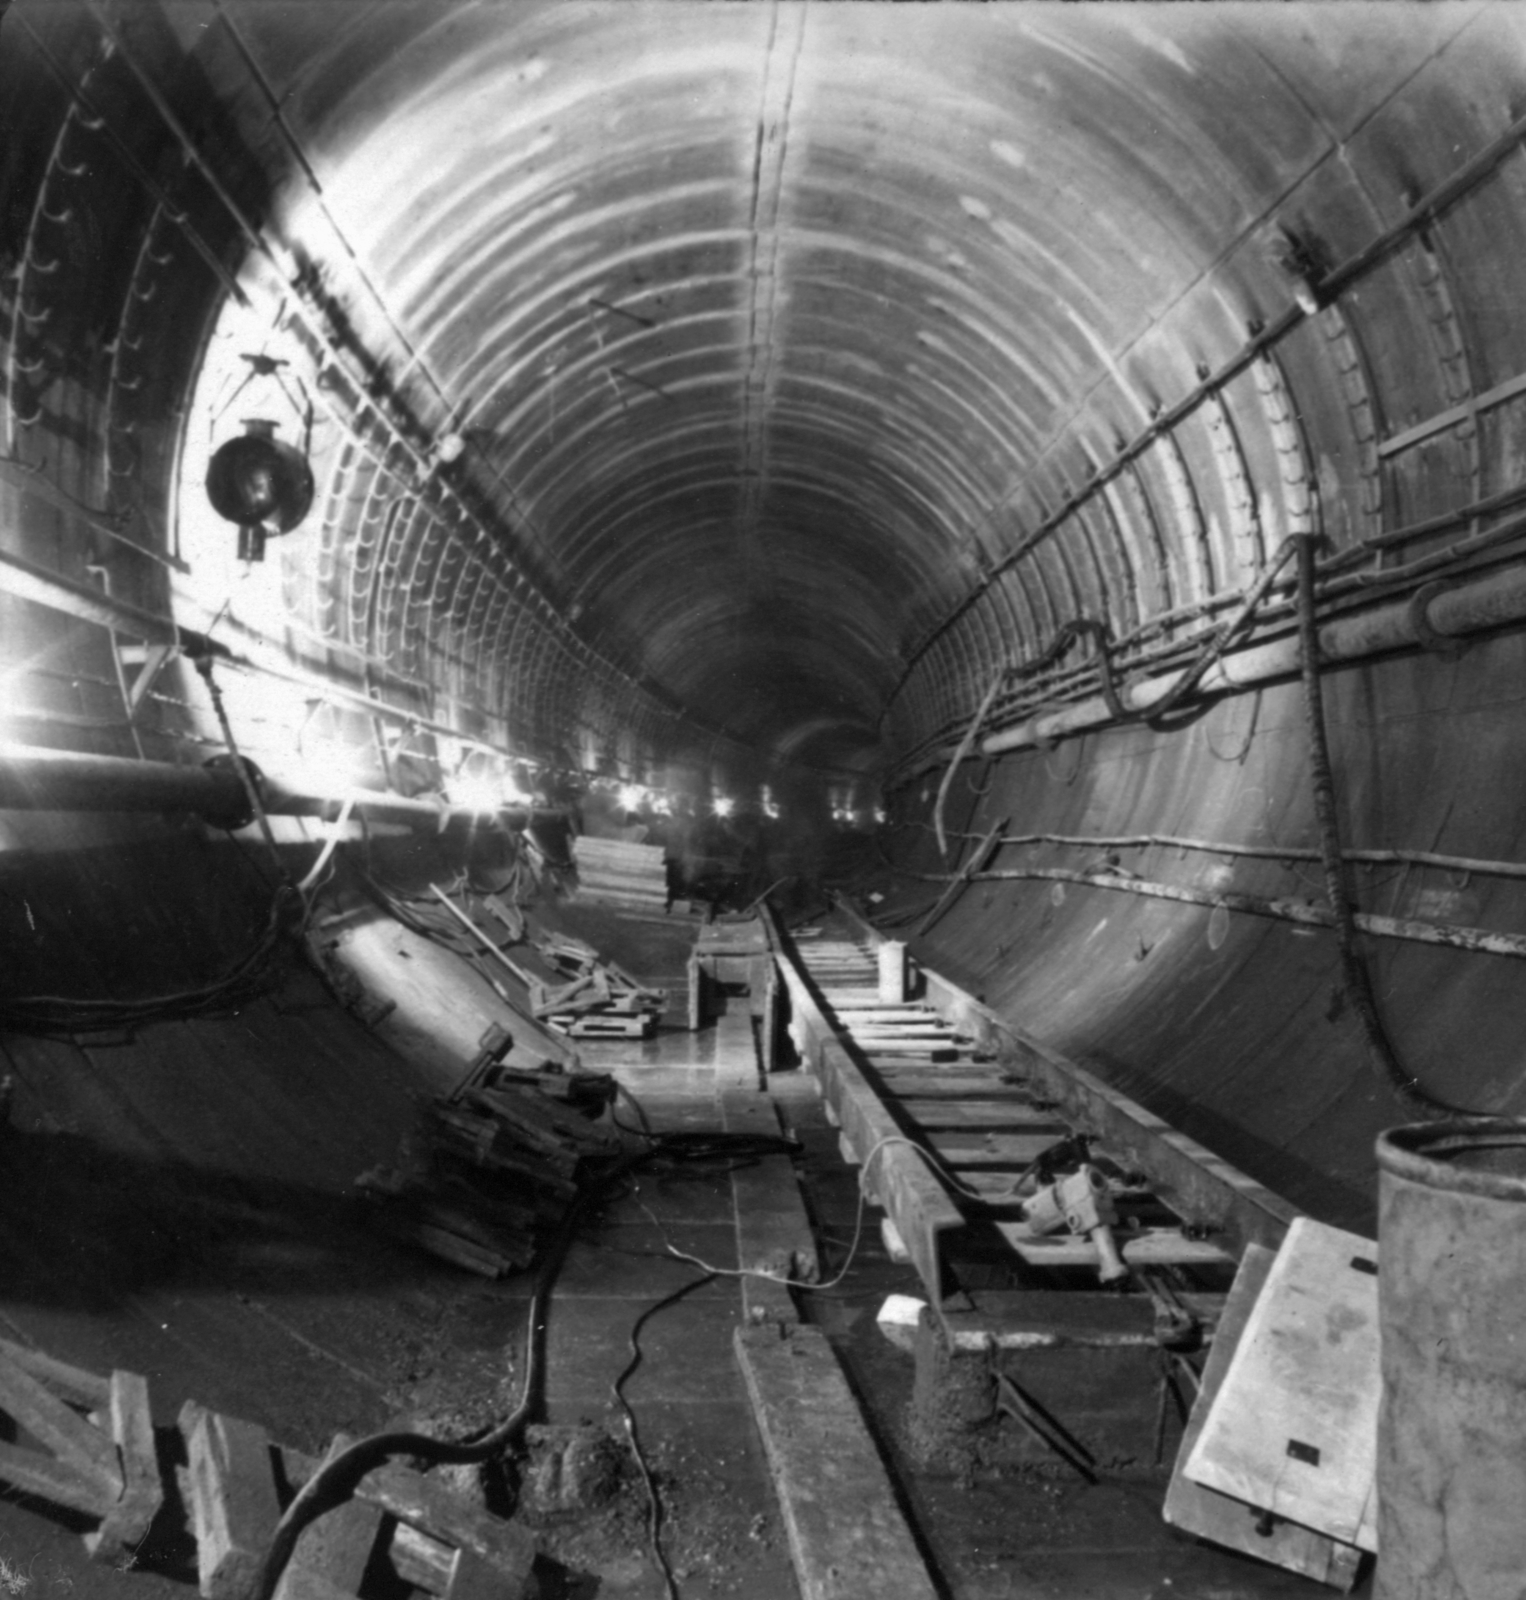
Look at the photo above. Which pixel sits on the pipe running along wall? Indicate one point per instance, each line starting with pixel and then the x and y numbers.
pixel 720 398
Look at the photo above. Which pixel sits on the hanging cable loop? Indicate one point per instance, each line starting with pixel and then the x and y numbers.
pixel 1356 981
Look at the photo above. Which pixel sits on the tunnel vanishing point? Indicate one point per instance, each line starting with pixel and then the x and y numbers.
pixel 1067 458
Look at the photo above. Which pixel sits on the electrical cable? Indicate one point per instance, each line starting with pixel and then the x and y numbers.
pixel 653 1499
pixel 1192 675
pixel 1355 979
pixel 203 664
pixel 336 1480
pixel 56 1016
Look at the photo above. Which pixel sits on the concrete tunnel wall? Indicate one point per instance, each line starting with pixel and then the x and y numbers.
pixel 723 395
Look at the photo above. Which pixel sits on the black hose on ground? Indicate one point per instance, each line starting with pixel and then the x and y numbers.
pixel 1355 981
pixel 339 1477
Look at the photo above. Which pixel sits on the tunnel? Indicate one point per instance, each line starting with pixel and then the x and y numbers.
pixel 1050 470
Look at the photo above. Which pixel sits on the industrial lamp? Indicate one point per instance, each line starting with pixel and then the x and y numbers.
pixel 261 483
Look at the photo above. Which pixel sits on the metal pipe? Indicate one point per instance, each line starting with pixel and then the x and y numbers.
pixel 1420 215
pixel 386 806
pixel 1263 852
pixel 1489 602
pixel 37 779
pixel 1309 913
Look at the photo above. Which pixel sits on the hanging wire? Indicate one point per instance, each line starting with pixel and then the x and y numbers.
pixel 1356 981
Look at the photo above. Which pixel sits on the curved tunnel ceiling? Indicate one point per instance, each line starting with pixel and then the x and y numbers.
pixel 773 330
pixel 776 374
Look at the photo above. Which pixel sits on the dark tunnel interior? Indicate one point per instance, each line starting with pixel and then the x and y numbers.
pixel 930 433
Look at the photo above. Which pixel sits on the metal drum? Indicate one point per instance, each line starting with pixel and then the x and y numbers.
pixel 1452 1310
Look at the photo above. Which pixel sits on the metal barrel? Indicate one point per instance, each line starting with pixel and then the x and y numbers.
pixel 1451 1475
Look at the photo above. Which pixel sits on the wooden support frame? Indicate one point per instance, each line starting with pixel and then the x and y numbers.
pixel 97 1439
pixel 1207 1191
pixel 894 1175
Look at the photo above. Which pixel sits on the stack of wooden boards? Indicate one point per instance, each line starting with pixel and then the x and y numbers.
pixel 491 1167
pixel 614 873
pixel 92 1450
pixel 599 1000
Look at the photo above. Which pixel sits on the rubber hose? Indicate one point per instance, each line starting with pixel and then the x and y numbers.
pixel 1355 981
pixel 338 1478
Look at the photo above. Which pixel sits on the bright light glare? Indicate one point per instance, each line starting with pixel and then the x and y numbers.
pixel 631 796
pixel 722 806
pixel 330 771
pixel 475 791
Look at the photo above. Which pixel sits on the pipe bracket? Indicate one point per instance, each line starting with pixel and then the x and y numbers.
pixel 1426 636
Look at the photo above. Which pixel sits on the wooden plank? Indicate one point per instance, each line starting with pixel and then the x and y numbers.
pixel 1199 1185
pixel 774 1232
pixel 467 1254
pixel 607 1026
pixel 889 1039
pixel 899 1177
pixel 78 1387
pixel 1015 1150
pixel 950 1082
pixel 37 1474
pixel 592 884
pixel 847 1535
pixel 1294 1428
pixel 1048 1319
pixel 768 1041
pixel 696 1016
pixel 590 844
pixel 233 1507
pixel 1017 1112
pixel 420 1561
pixel 922 1050
pixel 127 1522
pixel 896 1176
pixel 1150 1247
pixel 896 1021
pixel 65 1433
pixel 1205 1512
pixel 440 1512
pixel 472 1578
pixel 334 1551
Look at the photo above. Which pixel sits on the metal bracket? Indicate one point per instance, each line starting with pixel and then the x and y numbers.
pixel 1439 644
pixel 150 660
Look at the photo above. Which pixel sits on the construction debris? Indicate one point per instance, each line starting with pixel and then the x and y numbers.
pixel 493 1165
pixel 97 1446
pixel 599 1000
pixel 401 1525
